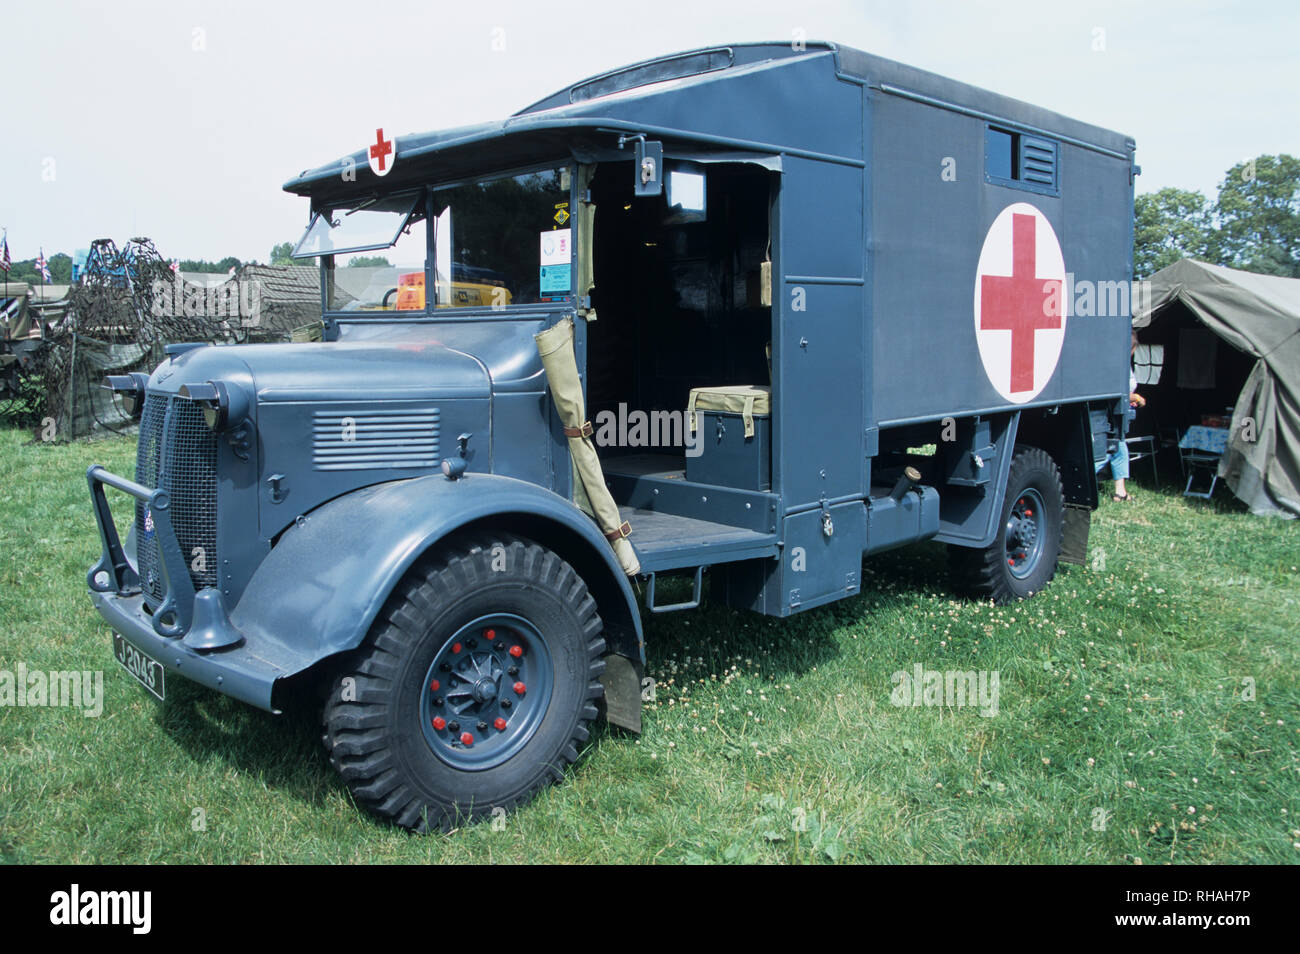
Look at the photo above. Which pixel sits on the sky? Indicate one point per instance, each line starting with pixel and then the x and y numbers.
pixel 182 120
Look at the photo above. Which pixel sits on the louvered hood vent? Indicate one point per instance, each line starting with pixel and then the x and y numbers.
pixel 375 440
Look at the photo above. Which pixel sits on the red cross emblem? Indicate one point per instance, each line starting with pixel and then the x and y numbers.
pixel 379 153
pixel 1020 308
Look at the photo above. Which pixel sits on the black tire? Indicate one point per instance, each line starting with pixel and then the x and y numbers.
pixel 374 726
pixel 993 573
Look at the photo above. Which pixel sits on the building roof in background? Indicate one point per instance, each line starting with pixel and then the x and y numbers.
pixel 49 293
pixel 285 282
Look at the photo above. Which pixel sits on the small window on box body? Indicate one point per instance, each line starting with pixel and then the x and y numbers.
pixel 999 152
pixel 1019 159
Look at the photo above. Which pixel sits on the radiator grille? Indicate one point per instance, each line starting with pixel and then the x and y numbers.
pixel 177 453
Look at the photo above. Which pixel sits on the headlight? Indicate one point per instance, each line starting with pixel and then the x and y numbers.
pixel 130 390
pixel 224 406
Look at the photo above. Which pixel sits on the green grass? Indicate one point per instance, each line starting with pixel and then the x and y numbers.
pixel 1121 693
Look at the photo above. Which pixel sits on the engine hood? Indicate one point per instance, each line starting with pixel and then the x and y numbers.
pixel 331 371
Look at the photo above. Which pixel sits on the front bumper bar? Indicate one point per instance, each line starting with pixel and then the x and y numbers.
pixel 189 632
pixel 236 672
pixel 114 573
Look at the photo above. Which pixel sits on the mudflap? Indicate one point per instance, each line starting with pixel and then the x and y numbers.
pixel 622 682
pixel 1074 534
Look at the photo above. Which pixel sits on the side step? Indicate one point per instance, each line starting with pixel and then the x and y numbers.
pixel 692 603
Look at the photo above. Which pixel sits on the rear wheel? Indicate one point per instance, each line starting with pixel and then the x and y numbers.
pixel 474 688
pixel 1022 560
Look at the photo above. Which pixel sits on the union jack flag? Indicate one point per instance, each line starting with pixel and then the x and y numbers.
pixel 43 267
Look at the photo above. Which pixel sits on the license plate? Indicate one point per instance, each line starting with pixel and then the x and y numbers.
pixel 147 670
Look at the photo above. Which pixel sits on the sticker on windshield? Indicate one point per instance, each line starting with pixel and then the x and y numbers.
pixel 555 248
pixel 555 281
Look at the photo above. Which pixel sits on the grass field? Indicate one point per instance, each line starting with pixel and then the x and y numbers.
pixel 1148 712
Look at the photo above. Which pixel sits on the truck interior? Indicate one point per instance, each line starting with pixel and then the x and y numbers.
pixel 677 295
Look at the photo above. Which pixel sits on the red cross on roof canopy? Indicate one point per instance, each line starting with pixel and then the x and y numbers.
pixel 380 151
pixel 1020 303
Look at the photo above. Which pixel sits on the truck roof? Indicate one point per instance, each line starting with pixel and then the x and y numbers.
pixel 766 97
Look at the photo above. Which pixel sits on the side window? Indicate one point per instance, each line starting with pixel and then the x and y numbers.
pixel 999 150
pixel 1020 160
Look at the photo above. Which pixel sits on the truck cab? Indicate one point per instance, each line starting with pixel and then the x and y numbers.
pixel 724 314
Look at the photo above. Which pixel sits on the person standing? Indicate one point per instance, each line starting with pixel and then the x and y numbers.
pixel 1118 460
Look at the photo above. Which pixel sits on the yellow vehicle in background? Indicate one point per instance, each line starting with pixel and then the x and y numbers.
pixel 410 294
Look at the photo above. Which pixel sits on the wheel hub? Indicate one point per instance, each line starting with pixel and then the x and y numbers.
pixel 486 692
pixel 1023 536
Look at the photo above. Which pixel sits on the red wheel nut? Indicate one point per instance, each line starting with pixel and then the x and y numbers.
pixel 456 648
pixel 500 724
pixel 520 688
pixel 466 739
pixel 439 723
pixel 435 686
pixel 1011 561
pixel 489 634
pixel 1029 513
pixel 516 651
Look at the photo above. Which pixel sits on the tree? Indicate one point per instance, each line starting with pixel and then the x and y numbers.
pixel 23 271
pixel 369 261
pixel 1169 225
pixel 59 264
pixel 1258 212
pixel 60 268
pixel 201 265
pixel 281 255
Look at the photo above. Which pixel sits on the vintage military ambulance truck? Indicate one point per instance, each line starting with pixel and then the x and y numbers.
pixel 756 310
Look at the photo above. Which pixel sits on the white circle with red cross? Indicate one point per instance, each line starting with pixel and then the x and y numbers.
pixel 381 153
pixel 1020 302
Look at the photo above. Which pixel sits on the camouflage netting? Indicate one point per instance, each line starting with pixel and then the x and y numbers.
pixel 130 304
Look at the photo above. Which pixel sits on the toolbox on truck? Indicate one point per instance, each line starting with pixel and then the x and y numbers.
pixel 731 428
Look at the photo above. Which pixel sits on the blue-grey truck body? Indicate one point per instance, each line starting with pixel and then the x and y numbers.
pixel 857 244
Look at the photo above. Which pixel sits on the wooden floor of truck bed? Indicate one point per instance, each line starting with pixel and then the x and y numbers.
pixel 664 541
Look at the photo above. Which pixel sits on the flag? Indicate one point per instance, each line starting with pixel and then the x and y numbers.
pixel 175 266
pixel 43 267
pixel 4 257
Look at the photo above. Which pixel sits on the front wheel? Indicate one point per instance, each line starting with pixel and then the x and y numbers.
pixel 1022 560
pixel 473 689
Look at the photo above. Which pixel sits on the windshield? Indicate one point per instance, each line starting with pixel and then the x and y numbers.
pixel 493 242
pixel 504 241
pixel 371 224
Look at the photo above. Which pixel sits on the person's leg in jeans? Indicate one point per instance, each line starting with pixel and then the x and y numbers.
pixel 1119 468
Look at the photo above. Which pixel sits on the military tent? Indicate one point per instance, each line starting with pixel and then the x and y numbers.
pixel 1230 339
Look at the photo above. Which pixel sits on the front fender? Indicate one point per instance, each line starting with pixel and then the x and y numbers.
pixel 320 588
